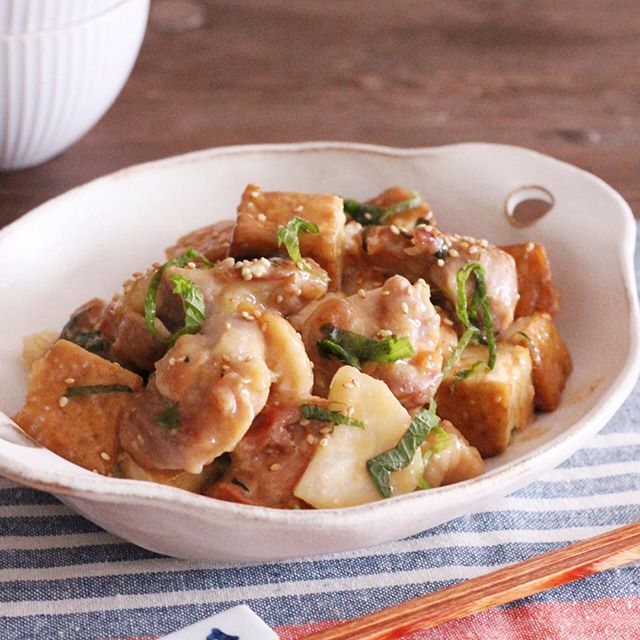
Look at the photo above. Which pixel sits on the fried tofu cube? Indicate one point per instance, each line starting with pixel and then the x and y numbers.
pixel 488 405
pixel 211 241
pixel 82 429
pixel 261 213
pixel 536 289
pixel 549 355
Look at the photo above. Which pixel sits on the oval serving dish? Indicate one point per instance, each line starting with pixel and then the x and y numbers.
pixel 85 243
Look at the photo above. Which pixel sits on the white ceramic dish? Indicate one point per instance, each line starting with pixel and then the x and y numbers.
pixel 56 84
pixel 86 242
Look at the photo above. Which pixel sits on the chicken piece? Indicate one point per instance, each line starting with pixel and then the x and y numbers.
pixel 194 483
pixel 487 406
pixel 209 387
pixel 537 291
pixel 212 241
pixel 269 461
pixel 449 457
pixel 261 213
pixel 337 474
pixel 404 220
pixel 261 284
pixel 397 308
pixel 549 355
pixel 82 429
pixel 357 270
pixel 437 257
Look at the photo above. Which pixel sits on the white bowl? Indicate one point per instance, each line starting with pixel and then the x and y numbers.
pixel 86 242
pixel 56 84
pixel 18 16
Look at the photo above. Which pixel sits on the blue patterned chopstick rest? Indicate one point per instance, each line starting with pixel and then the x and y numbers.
pixel 239 623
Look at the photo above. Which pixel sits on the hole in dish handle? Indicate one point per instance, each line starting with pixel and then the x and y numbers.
pixel 10 432
pixel 526 205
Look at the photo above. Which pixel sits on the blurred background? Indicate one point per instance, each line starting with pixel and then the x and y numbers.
pixel 559 77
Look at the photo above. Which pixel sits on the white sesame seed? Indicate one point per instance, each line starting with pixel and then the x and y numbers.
pixel 262 217
pixel 362 293
pixel 484 243
pixel 105 456
pixel 70 380
pixel 448 322
pixel 367 216
pixel 474 249
pixel 310 439
pixel 529 247
pixel 279 298
pixel 226 358
pixel 276 466
pixel 63 401
pixel 386 293
pixel 264 327
pixel 326 430
pixel 298 208
pixel 464 245
pixel 453 253
pixel 395 230
pixel 191 265
pixel 384 333
pixel 324 442
pixel 172 361
pixel 246 273
pixel 227 325
pixel 405 308
pixel 440 262
pixel 247 316
pixel 254 194
pixel 225 368
pixel 304 422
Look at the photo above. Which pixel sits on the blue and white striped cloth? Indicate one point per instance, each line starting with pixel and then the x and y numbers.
pixel 63 577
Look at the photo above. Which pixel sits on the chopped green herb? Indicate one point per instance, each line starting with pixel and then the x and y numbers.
pixel 150 309
pixel 367 214
pixel 88 390
pixel 442 440
pixel 90 340
pixel 314 412
pixel 193 304
pixel 402 454
pixel 424 484
pixel 289 236
pixel 467 373
pixel 241 484
pixel 354 348
pixel 169 418
pixel 480 301
pixel 525 336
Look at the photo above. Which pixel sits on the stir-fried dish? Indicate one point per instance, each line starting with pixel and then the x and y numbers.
pixel 315 352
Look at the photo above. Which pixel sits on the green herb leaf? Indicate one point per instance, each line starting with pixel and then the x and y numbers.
pixel 88 390
pixel 525 336
pixel 314 412
pixel 169 418
pixel 467 373
pixel 367 214
pixel 150 309
pixel 289 236
pixel 480 302
pixel 354 348
pixel 402 454
pixel 442 439
pixel 424 484
pixel 193 303
pixel 241 484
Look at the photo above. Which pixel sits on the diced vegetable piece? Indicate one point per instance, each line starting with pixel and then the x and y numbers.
pixel 337 474
pixel 81 429
pixel 211 241
pixel 449 457
pixel 549 355
pixel 194 482
pixel 488 405
pixel 536 289
pixel 36 345
pixel 261 214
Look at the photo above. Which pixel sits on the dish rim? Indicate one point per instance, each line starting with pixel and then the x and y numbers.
pixel 91 487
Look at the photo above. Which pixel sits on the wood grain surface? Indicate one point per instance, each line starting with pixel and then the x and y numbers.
pixel 559 77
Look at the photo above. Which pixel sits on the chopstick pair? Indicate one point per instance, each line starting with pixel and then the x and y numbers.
pixel 606 551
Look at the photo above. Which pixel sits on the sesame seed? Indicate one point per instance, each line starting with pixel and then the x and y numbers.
pixel 276 466
pixel 172 361
pixel 362 293
pixel 384 333
pixel 262 217
pixel 368 216
pixel 448 322
pixel 225 368
pixel 326 430
pixel 63 401
pixel 227 325
pixel 386 293
pixel 473 249
pixel 453 253
pixel 191 265
pixel 440 262
pixel 324 442
pixel 227 262
pixel 247 316
pixel 395 230
pixel 298 208
pixel 263 327
pixel 464 245
pixel 529 247
pixel 311 439
pixel 105 456
pixel 70 380
pixel 428 228
pixel 297 291
pixel 405 308
pixel 304 422
pixel 254 194
pixel 246 273
pixel 484 243
pixel 226 358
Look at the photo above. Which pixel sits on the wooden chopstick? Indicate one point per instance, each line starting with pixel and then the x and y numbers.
pixel 549 570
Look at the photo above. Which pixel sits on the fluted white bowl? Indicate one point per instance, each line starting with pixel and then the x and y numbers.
pixel 56 84
pixel 19 16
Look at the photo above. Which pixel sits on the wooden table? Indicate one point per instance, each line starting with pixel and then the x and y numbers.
pixel 560 77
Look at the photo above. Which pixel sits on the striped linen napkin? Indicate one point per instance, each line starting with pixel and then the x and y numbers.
pixel 63 577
